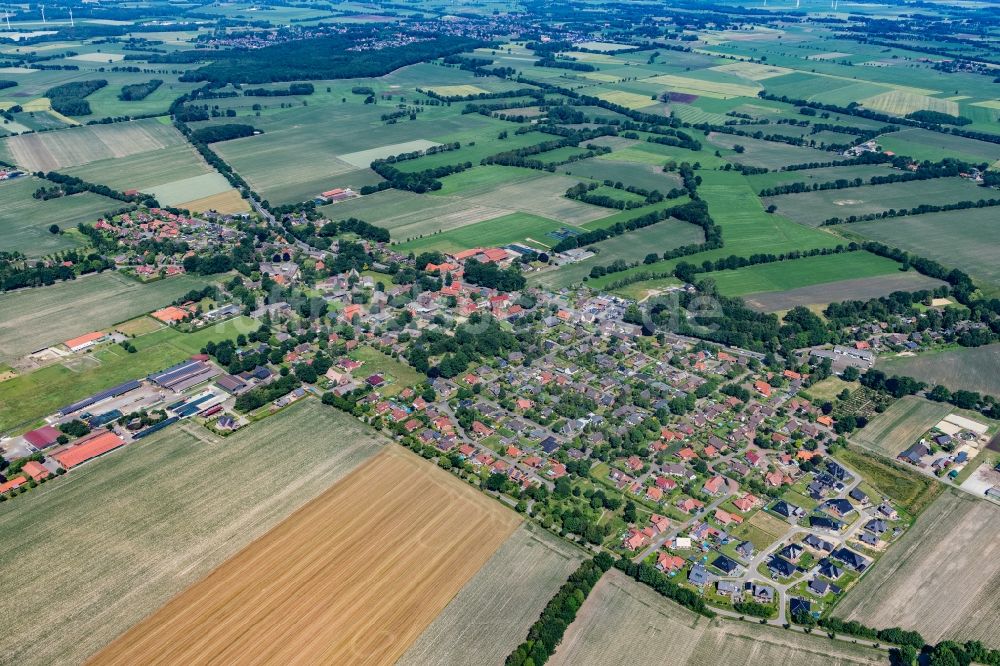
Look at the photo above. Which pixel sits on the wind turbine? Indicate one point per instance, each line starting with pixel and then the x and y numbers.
pixel 43 14
pixel 6 17
pixel 73 25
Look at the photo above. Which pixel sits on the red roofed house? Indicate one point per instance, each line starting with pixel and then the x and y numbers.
pixel 687 453
pixel 660 523
pixel 667 563
pixel 714 485
pixel 763 387
pixel 746 502
pixel 86 340
pixel 35 470
pixel 13 484
pixel 347 314
pixel 654 494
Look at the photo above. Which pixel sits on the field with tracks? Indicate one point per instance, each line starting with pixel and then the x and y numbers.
pixel 51 151
pixel 964 238
pixel 625 622
pixel 490 616
pixel 899 426
pixel 813 208
pixel 119 537
pixel 354 576
pixel 68 309
pixel 973 369
pixel 942 578
pixel 820 295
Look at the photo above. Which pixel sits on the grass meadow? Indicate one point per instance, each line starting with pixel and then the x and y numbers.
pixel 783 275
pixel 25 222
pixel 973 369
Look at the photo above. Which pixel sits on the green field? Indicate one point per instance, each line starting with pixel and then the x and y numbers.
pixel 24 221
pixel 782 275
pixel 973 369
pixel 399 374
pixel 145 171
pixel 67 309
pixel 926 145
pixel 965 239
pixel 28 397
pixel 769 154
pixel 813 208
pixel 746 228
pixel 122 535
pixel 901 425
pixel 513 228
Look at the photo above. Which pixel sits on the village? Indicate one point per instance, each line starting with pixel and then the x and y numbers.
pixel 689 456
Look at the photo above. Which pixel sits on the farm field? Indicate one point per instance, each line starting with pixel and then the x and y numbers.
pixel 942 578
pixel 812 208
pixel 909 490
pixel 30 396
pixel 769 154
pixel 973 368
pixel 746 227
pixel 506 595
pixel 400 579
pixel 963 238
pixel 25 221
pixel 899 426
pixel 823 175
pixel 52 151
pixel 818 296
pixel 67 309
pixel 625 622
pixel 513 228
pixel 783 275
pixel 144 171
pixel 120 536
pixel 923 144
pixel 632 246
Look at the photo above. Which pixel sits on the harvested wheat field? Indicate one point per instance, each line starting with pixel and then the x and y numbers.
pixel 352 577
pixel 624 622
pixel 942 578
pixel 226 202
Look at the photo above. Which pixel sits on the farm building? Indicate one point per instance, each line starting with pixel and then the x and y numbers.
pixel 121 389
pixel 85 341
pixel 185 375
pixel 35 470
pixel 13 484
pixel 337 194
pixel 42 437
pixel 88 448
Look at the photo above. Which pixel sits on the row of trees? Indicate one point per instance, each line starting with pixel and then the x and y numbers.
pixel 547 631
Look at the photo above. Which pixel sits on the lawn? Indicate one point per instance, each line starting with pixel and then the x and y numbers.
pixel 972 369
pixel 782 275
pixel 67 309
pixel 399 374
pixel 26 398
pixel 25 221
pixel 122 535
